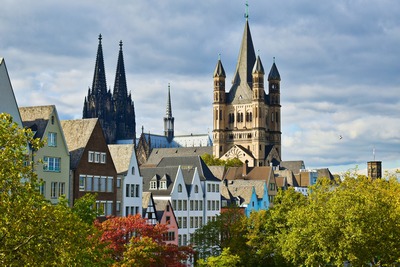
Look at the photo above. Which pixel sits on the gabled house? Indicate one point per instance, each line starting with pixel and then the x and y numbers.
pixel 149 208
pixel 54 168
pixel 129 181
pixel 92 167
pixel 191 188
pixel 244 186
pixel 8 103
pixel 166 215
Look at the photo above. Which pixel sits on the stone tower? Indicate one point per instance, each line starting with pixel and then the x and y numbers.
pixel 115 111
pixel 246 120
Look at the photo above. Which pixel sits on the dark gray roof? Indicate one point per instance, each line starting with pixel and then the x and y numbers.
pixel 258 67
pixel 219 70
pixel 274 73
pixel 190 162
pixel 294 166
pixel 157 154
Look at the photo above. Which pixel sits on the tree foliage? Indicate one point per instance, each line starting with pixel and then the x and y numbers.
pixel 135 242
pixel 210 160
pixel 32 231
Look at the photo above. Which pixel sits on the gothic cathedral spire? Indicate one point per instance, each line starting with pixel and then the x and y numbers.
pixel 169 120
pixel 99 85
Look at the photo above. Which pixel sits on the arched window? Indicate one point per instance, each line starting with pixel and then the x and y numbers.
pixel 133 171
pixel 196 189
pixel 180 188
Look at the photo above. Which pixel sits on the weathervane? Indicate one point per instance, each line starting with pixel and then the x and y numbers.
pixel 246 15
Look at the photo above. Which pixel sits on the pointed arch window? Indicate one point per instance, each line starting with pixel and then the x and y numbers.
pixel 179 188
pixel 196 188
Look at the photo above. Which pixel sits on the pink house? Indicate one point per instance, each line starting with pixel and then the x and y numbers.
pixel 166 215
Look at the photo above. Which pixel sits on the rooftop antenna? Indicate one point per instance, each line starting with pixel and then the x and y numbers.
pixel 246 14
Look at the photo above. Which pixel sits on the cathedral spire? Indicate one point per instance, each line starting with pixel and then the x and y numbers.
pixel 120 88
pixel 246 59
pixel 169 120
pixel 99 85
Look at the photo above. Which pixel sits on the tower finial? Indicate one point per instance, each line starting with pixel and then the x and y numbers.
pixel 100 37
pixel 246 15
pixel 120 45
pixel 219 56
pixel 274 59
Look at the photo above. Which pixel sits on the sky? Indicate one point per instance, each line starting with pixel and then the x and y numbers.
pixel 338 61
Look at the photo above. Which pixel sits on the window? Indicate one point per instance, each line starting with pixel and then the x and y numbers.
pixel 42 188
pixel 96 183
pixel 167 207
pixel 52 139
pixel 191 204
pixel 61 189
pixel 137 190
pixel 133 171
pixel 184 222
pixel 51 164
pixel 97 157
pixel 118 206
pixel 196 188
pixel 132 190
pixel 53 193
pixel 191 222
pixel 127 190
pixel 196 205
pixel 89 181
pixel 179 188
pixel 179 240
pixel 103 157
pixel 118 182
pixel 184 240
pixel 213 187
pixel 110 184
pixel 91 156
pixel 208 187
pixel 52 119
pixel 82 179
pixel 272 186
pixel 174 204
pixel 179 204
pixel 201 205
pixel 168 219
pixel 153 185
pixel 217 188
pixel 103 181
pixel 163 185
pixel 184 204
pixel 180 222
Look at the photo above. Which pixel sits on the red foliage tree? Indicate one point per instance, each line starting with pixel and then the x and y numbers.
pixel 133 239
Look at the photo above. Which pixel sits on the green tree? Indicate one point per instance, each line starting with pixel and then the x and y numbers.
pixel 226 259
pixel 210 160
pixel 355 221
pixel 228 230
pixel 32 231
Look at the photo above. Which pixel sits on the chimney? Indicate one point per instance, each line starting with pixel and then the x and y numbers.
pixel 245 168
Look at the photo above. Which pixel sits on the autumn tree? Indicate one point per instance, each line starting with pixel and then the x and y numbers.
pixel 135 242
pixel 32 231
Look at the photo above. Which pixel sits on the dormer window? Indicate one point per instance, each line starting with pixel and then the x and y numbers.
pixel 163 185
pixel 153 185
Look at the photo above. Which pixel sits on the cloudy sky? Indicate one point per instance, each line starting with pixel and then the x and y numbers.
pixel 338 60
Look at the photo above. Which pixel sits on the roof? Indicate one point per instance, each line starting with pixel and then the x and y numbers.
pixel 219 70
pixel 274 73
pixel 258 67
pixel 218 171
pixel 244 189
pixel 146 198
pixel 255 173
pixel 157 154
pixel 190 162
pixel 157 173
pixel 77 134
pixel 191 140
pixel 295 166
pixel 121 156
pixel 36 118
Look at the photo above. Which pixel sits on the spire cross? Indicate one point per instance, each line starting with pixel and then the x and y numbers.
pixel 246 15
pixel 120 44
pixel 100 37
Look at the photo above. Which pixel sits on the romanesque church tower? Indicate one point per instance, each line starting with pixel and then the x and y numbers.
pixel 115 110
pixel 246 120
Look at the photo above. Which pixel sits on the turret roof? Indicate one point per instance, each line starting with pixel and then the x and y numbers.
pixel 274 73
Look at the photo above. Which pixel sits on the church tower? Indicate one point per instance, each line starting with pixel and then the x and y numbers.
pixel 99 101
pixel 169 120
pixel 123 104
pixel 115 111
pixel 246 121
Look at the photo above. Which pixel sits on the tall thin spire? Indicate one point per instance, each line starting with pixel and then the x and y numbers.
pixel 169 109
pixel 169 120
pixel 99 85
pixel 246 14
pixel 120 87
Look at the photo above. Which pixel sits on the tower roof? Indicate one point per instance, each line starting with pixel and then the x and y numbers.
pixel 120 87
pixel 274 73
pixel 246 59
pixel 219 70
pixel 258 67
pixel 99 78
pixel 169 108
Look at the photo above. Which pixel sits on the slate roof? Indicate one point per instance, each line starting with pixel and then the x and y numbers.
pixel 157 154
pixel 77 134
pixel 157 173
pixel 121 156
pixel 263 173
pixel 190 140
pixel 190 162
pixel 36 118
pixel 295 166
pixel 274 73
pixel 244 189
